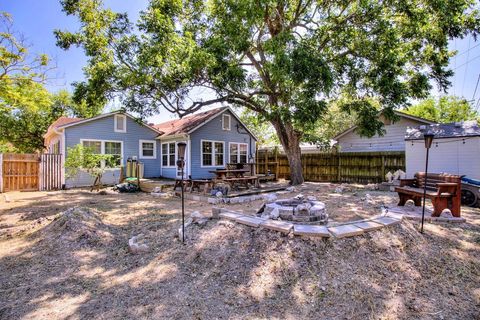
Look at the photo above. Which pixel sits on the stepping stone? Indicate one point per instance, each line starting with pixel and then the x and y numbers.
pixel 249 220
pixel 394 215
pixel 229 215
pixel 369 225
pixel 386 221
pixel 347 230
pixel 276 225
pixel 309 230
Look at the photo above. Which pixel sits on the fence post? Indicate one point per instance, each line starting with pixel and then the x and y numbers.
pixel 383 168
pixel 40 173
pixel 1 172
pixel 339 167
pixel 266 161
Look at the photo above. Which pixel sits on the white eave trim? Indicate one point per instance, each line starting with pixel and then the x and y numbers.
pixel 173 137
pixel 398 113
pixel 101 116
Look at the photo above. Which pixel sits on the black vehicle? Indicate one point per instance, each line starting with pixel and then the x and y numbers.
pixel 470 192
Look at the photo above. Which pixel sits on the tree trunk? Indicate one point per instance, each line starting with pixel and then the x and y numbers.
pixel 290 140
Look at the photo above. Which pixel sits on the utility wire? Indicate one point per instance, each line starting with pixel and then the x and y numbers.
pixel 466 68
pixel 475 58
pixel 457 55
pixel 476 87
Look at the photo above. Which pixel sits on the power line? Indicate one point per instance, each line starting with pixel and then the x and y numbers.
pixel 474 58
pixel 466 68
pixel 476 86
pixel 457 55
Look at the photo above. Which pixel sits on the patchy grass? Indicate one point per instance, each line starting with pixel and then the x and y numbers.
pixel 227 270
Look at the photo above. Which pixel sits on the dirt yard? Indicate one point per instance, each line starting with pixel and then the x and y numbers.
pixel 68 266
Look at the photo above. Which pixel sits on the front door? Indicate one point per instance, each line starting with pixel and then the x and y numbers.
pixel 185 168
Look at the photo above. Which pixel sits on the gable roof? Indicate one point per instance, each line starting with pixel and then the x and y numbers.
pixel 61 122
pixel 65 122
pixel 445 130
pixel 193 122
pixel 398 113
pixel 187 124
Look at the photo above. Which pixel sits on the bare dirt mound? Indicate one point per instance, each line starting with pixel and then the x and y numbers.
pixel 78 225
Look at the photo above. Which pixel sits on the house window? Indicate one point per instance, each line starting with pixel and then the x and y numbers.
pixel 226 122
pixel 213 153
pixel 238 152
pixel 168 154
pixel 120 123
pixel 114 148
pixel 55 148
pixel 94 146
pixel 148 149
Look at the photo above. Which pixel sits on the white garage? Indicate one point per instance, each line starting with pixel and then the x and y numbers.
pixel 455 149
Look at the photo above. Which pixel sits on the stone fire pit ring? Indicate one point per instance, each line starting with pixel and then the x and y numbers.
pixel 297 210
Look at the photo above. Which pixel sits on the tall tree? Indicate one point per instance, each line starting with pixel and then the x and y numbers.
pixel 20 72
pixel 444 109
pixel 284 60
pixel 27 108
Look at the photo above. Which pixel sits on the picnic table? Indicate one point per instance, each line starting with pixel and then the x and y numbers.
pixel 235 177
pixel 224 173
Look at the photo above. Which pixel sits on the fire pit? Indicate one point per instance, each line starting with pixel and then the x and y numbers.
pixel 297 210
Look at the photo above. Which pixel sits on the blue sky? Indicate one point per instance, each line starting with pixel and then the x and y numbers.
pixel 36 20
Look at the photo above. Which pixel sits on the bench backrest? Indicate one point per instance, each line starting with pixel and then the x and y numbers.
pixel 434 178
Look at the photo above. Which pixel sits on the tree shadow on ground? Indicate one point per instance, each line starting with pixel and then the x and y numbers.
pixel 231 271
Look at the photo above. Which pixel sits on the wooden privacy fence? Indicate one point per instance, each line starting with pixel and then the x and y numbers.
pixel 353 167
pixel 30 172
pixel 50 171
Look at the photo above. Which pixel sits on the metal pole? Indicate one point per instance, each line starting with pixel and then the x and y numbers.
pixel 425 190
pixel 183 205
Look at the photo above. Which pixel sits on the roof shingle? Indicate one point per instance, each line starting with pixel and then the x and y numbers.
pixel 445 130
pixel 186 124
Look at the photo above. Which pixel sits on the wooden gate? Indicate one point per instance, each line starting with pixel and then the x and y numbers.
pixel 30 172
pixel 50 171
pixel 19 172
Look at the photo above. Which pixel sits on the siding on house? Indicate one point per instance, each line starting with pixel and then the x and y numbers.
pixel 213 131
pixel 103 129
pixel 450 155
pixel 393 140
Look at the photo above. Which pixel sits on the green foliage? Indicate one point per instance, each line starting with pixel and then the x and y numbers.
pixel 21 74
pixel 333 122
pixel 261 129
pixel 24 127
pixel 80 158
pixel 280 59
pixel 443 110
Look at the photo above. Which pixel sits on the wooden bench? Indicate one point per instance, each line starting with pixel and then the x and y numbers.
pixel 178 183
pixel 244 181
pixel 197 183
pixel 444 190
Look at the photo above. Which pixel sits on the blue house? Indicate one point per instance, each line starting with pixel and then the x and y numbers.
pixel 214 138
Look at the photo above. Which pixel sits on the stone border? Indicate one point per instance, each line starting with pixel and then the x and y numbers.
pixel 349 229
pixel 233 200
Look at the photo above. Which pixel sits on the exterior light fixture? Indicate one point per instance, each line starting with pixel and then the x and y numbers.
pixel 428 137
pixel 181 147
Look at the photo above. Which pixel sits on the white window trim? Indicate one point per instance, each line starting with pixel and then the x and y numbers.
pixel 229 122
pixel 213 154
pixel 140 149
pixel 124 119
pixel 238 154
pixel 102 147
pixel 168 154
